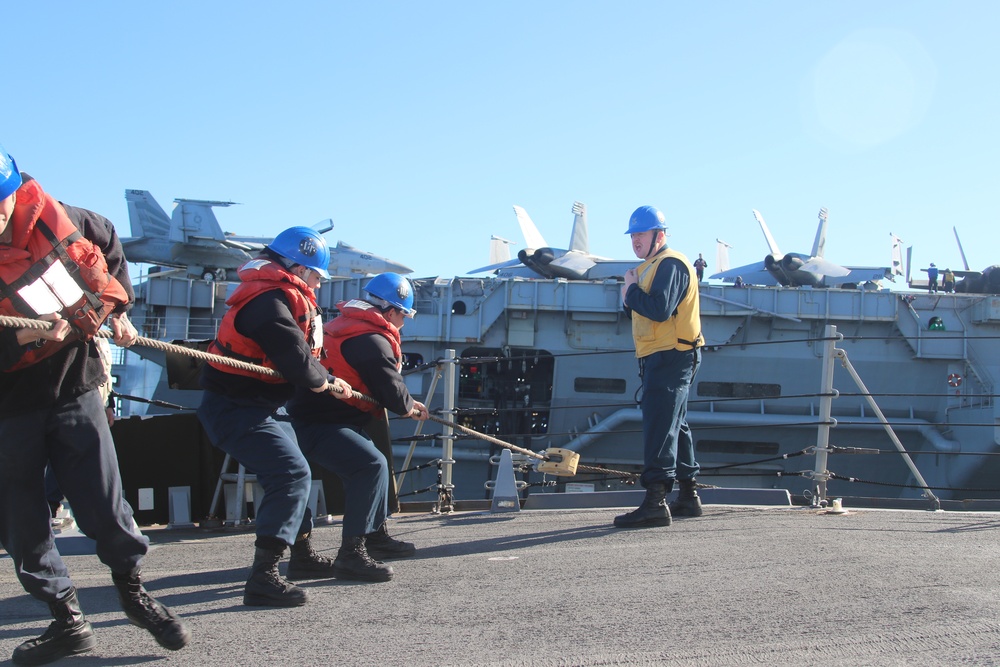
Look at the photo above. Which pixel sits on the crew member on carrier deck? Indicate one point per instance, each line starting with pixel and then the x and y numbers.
pixel 362 345
pixel 65 265
pixel 273 321
pixel 661 296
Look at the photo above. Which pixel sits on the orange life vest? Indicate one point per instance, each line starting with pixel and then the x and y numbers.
pixel 356 318
pixel 49 267
pixel 259 276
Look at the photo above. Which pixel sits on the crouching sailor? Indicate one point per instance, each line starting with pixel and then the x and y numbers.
pixel 273 321
pixel 64 265
pixel 363 346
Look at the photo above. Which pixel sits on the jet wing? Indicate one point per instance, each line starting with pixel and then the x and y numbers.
pixel 862 274
pixel 824 267
pixel 499 265
pixel 574 265
pixel 577 261
pixel 752 274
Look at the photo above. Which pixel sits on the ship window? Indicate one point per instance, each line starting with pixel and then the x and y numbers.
pixel 458 308
pixel 736 447
pixel 738 390
pixel 599 385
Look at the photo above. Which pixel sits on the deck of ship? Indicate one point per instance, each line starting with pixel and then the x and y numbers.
pixel 739 586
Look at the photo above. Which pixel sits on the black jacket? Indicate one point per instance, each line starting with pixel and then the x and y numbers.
pixel 77 368
pixel 372 356
pixel 267 319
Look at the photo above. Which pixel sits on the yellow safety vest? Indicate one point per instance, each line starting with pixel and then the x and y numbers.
pixel 681 331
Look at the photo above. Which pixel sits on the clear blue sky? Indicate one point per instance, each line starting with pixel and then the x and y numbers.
pixel 417 125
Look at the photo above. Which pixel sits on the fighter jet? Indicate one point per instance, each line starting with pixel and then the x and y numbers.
pixel 192 239
pixel 539 259
pixel 797 269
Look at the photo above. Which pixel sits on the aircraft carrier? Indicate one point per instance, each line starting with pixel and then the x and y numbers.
pixel 550 363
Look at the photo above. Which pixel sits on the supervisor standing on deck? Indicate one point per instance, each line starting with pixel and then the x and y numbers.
pixel 661 297
pixel 363 346
pixel 64 264
pixel 272 321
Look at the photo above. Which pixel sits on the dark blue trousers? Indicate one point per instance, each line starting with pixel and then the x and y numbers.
pixel 74 438
pixel 668 449
pixel 269 449
pixel 351 454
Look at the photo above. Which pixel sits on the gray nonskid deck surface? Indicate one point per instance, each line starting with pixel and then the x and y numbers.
pixel 739 586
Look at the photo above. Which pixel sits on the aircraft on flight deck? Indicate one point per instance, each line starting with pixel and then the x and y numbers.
pixel 986 281
pixel 192 239
pixel 797 269
pixel 539 259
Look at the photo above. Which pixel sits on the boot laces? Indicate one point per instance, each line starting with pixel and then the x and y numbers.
pixel 362 553
pixel 147 605
pixel 310 555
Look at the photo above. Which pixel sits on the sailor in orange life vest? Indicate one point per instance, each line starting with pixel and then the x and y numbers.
pixel 362 346
pixel 661 297
pixel 64 265
pixel 272 321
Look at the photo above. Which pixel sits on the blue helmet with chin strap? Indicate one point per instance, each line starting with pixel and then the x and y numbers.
pixel 646 218
pixel 305 246
pixel 10 177
pixel 394 290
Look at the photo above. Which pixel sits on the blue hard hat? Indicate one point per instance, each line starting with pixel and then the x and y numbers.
pixel 394 289
pixel 305 246
pixel 10 177
pixel 646 218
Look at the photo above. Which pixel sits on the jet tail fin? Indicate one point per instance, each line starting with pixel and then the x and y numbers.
pixel 897 255
pixel 819 244
pixel 532 237
pixel 767 233
pixel 722 255
pixel 193 220
pixel 146 217
pixel 578 240
pixel 499 250
pixel 961 251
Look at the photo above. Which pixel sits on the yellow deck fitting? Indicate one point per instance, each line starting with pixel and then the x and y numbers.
pixel 559 462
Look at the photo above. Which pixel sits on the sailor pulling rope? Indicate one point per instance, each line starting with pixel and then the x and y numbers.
pixel 559 462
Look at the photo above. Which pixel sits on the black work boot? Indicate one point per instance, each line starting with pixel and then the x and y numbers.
pixel 266 587
pixel 356 564
pixel 687 502
pixel 651 513
pixel 305 563
pixel 70 633
pixel 382 547
pixel 144 611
